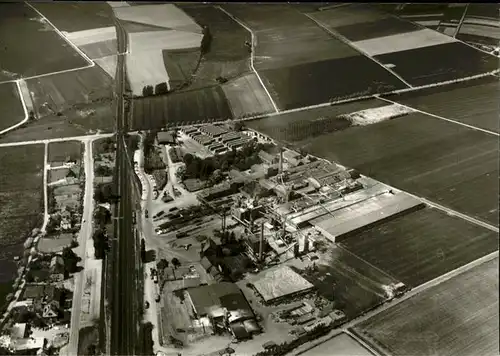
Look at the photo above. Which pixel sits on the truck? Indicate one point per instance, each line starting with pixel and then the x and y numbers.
pixel 146 213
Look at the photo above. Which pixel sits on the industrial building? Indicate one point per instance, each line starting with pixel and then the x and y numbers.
pixel 166 137
pixel 213 130
pixel 268 158
pixel 281 283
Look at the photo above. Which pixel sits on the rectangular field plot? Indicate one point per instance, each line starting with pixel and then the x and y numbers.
pixel 307 124
pixel 12 107
pixel 439 63
pixel 472 102
pixel 247 97
pixel 422 245
pixel 374 29
pixel 348 16
pixel 340 345
pixel 77 16
pixel 180 108
pixel 327 81
pixel 35 49
pixel 180 65
pixel 447 163
pixel 458 317
pixel 61 151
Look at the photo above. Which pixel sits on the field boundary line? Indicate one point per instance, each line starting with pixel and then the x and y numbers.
pixel 80 52
pixel 61 139
pixel 461 21
pixel 25 109
pixel 341 38
pixel 442 118
pixel 362 342
pixel 252 53
pixel 46 214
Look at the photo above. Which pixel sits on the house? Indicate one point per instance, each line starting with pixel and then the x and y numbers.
pixel 166 137
pixel 50 310
pixel 268 158
pixel 28 346
pixel 292 157
pixel 56 265
pixel 19 331
pixel 65 220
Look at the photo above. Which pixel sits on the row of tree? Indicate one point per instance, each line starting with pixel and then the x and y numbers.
pixel 158 89
pixel 102 218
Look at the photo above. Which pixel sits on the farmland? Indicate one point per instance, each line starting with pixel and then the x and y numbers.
pixel 247 97
pixel 21 203
pixel 76 90
pixel 473 102
pixel 422 245
pixel 60 151
pixel 180 65
pixel 21 55
pixel 300 125
pixel 374 29
pixel 12 108
pixel 456 60
pixel 481 25
pixel 340 345
pixel 458 317
pixel 180 108
pixel 145 68
pixel 77 16
pixel 350 15
pixel 95 43
pixel 450 164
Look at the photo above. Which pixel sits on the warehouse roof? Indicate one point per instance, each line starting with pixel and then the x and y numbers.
pixel 281 282
pixel 165 137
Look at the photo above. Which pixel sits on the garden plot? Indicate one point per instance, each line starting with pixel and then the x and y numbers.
pixel 164 15
pixel 145 68
pixel 247 97
pixel 12 107
pixel 95 43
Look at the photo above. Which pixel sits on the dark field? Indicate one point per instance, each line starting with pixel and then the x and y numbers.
pixel 300 125
pixel 483 40
pixel 12 107
pixel 353 14
pixel 35 49
pixel 458 317
pixel 447 163
pixel 353 284
pixel 374 29
pixel 180 108
pixel 180 65
pixel 484 10
pixel 472 102
pixel 456 60
pixel 326 81
pixel 60 151
pixel 70 90
pixel 21 204
pixel 77 16
pixel 422 245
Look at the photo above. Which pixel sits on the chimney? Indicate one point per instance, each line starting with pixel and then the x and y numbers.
pixel 281 160
pixel 296 250
pixel 261 242
pixel 306 243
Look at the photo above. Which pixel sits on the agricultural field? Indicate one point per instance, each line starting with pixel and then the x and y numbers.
pixel 447 163
pixel 61 151
pixel 420 246
pixel 456 60
pixel 12 107
pixel 301 125
pixel 247 97
pixel 77 16
pixel 95 43
pixel 35 49
pixel 21 204
pixel 458 317
pixel 181 65
pixel 472 102
pixel 108 64
pixel 185 107
pixel 340 345
pixel 77 90
pixel 145 68
pixel 481 25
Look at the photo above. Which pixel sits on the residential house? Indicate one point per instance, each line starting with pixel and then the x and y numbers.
pixel 28 346
pixel 19 331
pixel 56 265
pixel 65 220
pixel 50 311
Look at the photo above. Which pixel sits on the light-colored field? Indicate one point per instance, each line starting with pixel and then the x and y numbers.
pixel 458 317
pixel 247 96
pixel 54 244
pixel 165 15
pixel 340 345
pixel 347 15
pixel 480 30
pixel 372 116
pixel 144 41
pixel 108 64
pixel 81 38
pixel 100 49
pixel 145 68
pixel 403 42
pixel 114 4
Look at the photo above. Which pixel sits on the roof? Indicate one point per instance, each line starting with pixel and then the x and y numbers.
pixel 214 130
pixel 28 344
pixel 289 155
pixel 239 330
pixel 18 331
pixel 266 156
pixel 281 282
pixel 165 136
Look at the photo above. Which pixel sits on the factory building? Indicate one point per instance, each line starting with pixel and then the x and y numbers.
pixel 213 130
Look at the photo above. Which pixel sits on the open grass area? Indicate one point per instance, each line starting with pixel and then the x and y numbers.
pixel 180 108
pixel 21 203
pixel 60 151
pixel 447 163
pixel 77 16
pixel 422 245
pixel 458 317
pixel 472 102
pixel 35 49
pixel 12 107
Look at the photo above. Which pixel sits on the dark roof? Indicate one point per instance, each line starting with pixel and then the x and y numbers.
pixel 165 136
pixel 224 294
pixel 239 330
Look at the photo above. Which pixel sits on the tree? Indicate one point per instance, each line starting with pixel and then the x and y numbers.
pixel 238 126
pixel 147 90
pixel 162 264
pixel 143 250
pixel 31 116
pixel 70 260
pixel 175 262
pixel 206 41
pixel 161 88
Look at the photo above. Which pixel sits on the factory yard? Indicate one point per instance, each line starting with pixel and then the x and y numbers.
pixel 457 317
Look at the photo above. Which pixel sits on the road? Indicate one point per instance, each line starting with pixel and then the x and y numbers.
pixel 49 140
pixel 81 249
pixel 124 308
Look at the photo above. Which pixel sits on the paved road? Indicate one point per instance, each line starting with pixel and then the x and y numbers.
pixel 84 235
pixel 124 308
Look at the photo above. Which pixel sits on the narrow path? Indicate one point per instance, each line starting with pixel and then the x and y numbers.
pixel 442 118
pixel 25 109
pixel 461 22
pixel 252 53
pixel 341 38
pixel 73 138
pixel 81 249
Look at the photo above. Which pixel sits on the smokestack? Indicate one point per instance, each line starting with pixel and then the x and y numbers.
pixel 306 243
pixel 296 250
pixel 261 242
pixel 281 160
